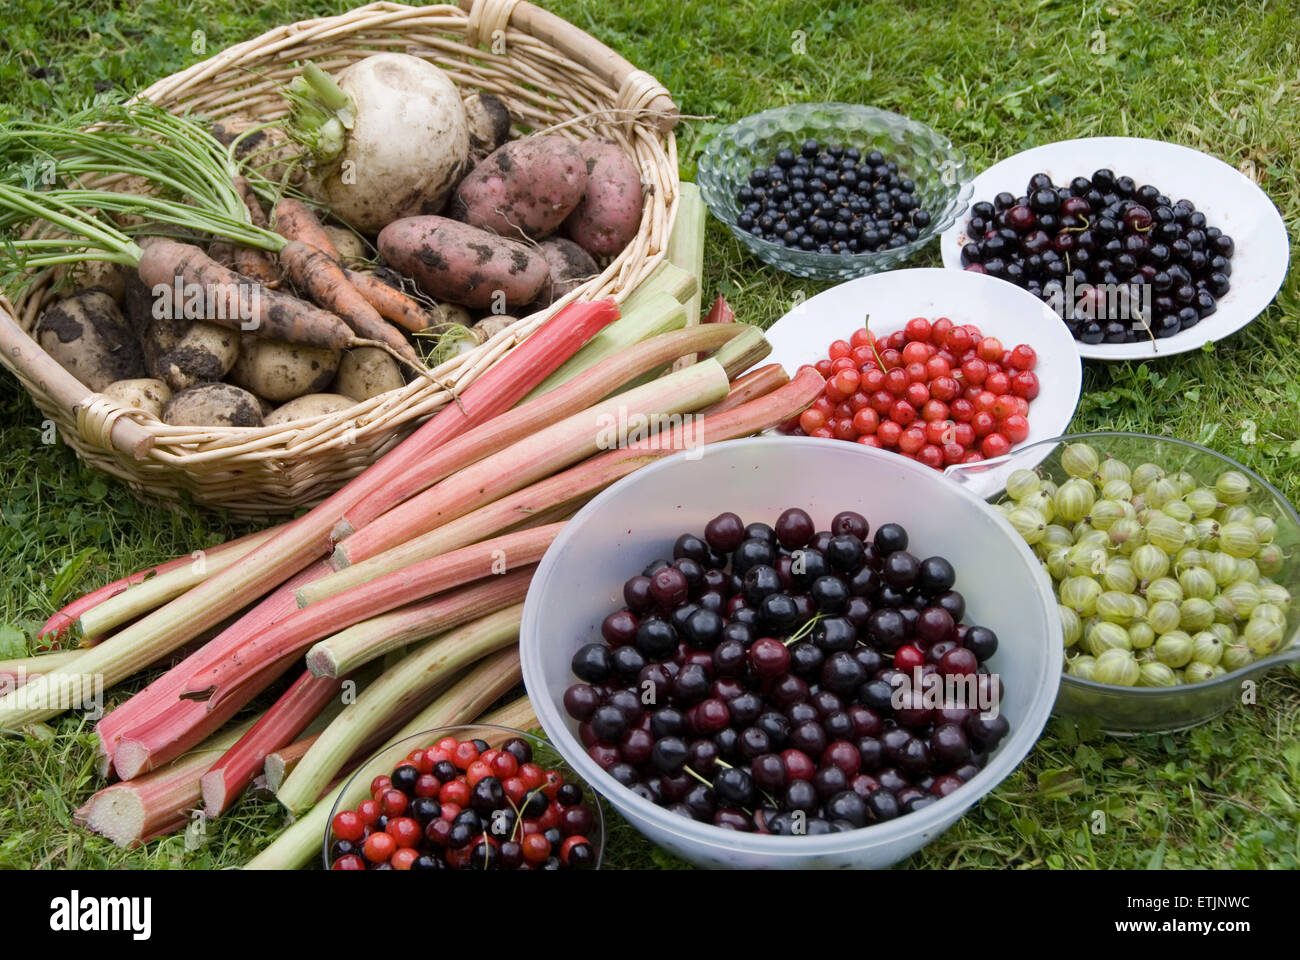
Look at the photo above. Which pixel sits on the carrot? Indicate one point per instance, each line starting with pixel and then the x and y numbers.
pixel 294 220
pixel 391 303
pixel 232 301
pixel 253 263
pixel 314 273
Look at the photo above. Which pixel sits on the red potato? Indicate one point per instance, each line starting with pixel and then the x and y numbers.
pixel 454 261
pixel 570 266
pixel 524 188
pixel 610 212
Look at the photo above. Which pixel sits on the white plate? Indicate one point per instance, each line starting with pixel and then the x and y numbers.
pixel 998 308
pixel 1230 201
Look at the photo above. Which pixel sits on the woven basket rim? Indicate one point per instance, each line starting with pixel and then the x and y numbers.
pixel 634 114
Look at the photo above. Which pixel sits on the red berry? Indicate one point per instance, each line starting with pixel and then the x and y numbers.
pixel 902 412
pixel 348 825
pixel 1023 357
pixel 870 440
pixel 897 381
pixel 464 754
pixel 939 331
pixel 532 775
pixel 888 433
pixel 863 356
pixel 911 440
pixel 404 858
pixel 934 410
pixel 997 382
pixel 918 394
pixel 349 862
pixel 476 772
pixel 959 341
pixel 862 337
pixel 504 765
pixel 953 453
pixel 931 455
pixel 843 363
pixel 515 789
pixel 380 784
pixel 1025 384
pixel 962 410
pixel 454 791
pixel 897 339
pixel 918 328
pixel 985 401
pixel 536 847
pixel 873 380
pixel 405 831
pixel 393 803
pixel 939 431
pixel 1004 406
pixel 917 352
pixel 958 662
pixel 823 367
pixel 908 657
pixel 995 445
pixel 843 429
pixel 963 434
pixel 569 843
pixel 379 847
pixel 881 401
pixel 840 348
pixel 937 367
pixel 915 372
pixel 974 371
pixel 811 419
pixel 1015 428
pixel 983 424
pixel 368 811
pixel 798 765
pixel 990 348
pixel 890 358
pixel 866 420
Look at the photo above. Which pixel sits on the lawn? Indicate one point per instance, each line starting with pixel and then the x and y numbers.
pixel 1223 77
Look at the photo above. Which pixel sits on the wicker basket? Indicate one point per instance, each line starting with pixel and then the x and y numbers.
pixel 549 73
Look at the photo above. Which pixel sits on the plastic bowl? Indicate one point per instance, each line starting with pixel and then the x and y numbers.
pixel 1135 710
pixel 580 580
pixel 383 762
pixel 938 168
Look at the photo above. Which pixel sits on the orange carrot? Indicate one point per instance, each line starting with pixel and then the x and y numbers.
pixel 253 263
pixel 391 303
pixel 319 276
pixel 294 220
pixel 236 302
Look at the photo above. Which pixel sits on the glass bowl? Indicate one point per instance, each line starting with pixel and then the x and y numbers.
pixel 940 171
pixel 1135 710
pixel 383 762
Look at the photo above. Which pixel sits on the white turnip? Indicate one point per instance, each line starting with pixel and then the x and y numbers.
pixel 389 140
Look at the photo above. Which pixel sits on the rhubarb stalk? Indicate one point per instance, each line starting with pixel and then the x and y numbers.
pixel 129 813
pixel 751 386
pixel 541 454
pixel 299 543
pixel 387 593
pixel 370 639
pixel 573 484
pixel 592 386
pixel 407 683
pixel 286 718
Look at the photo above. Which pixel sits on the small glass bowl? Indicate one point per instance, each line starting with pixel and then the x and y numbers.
pixel 1128 711
pixel 383 762
pixel 940 171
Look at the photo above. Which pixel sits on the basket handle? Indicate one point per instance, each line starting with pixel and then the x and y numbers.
pixel 636 89
pixel 99 419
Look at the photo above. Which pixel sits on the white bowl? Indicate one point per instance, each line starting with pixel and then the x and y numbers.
pixel 1230 201
pixel 998 308
pixel 580 581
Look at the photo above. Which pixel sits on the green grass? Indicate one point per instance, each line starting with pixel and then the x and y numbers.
pixel 997 77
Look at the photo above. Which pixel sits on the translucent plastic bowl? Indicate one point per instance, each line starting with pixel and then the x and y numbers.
pixel 1135 710
pixel 939 169
pixel 580 581
pixel 383 762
